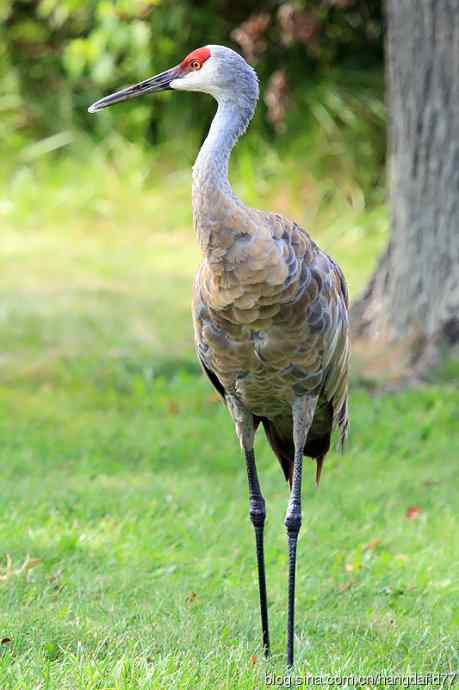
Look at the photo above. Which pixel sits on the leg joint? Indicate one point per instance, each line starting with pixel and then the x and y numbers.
pixel 293 522
pixel 257 511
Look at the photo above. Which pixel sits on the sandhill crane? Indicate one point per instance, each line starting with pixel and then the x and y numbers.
pixel 270 309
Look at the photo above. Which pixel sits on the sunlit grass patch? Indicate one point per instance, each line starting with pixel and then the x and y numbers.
pixel 131 492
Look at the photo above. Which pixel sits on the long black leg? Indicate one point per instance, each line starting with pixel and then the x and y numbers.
pixel 293 524
pixel 245 430
pixel 303 413
pixel 257 516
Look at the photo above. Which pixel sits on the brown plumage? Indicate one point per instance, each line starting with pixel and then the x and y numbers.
pixel 271 322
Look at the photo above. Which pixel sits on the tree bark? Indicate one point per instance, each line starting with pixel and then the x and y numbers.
pixel 413 296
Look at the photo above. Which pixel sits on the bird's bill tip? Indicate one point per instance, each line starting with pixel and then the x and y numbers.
pixel 159 83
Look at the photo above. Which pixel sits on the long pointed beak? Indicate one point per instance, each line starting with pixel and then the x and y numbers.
pixel 159 83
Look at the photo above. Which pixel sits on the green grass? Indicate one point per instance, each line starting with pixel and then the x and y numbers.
pixel 122 475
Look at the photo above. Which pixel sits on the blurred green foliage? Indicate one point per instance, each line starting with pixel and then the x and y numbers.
pixel 57 56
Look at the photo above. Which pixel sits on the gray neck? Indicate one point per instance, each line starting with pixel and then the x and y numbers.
pixel 210 171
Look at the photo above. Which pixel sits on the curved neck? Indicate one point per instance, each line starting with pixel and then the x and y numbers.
pixel 210 171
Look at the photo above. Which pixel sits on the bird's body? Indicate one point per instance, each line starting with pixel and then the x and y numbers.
pixel 270 319
pixel 270 309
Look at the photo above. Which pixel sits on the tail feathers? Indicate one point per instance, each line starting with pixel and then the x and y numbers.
pixel 317 448
pixel 283 448
pixel 343 426
pixel 320 462
pixel 342 435
pixel 281 442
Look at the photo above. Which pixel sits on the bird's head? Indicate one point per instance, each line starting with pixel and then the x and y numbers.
pixel 216 70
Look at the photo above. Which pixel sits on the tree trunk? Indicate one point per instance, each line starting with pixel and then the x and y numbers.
pixel 413 297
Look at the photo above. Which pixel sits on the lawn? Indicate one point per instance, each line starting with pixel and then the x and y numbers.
pixel 127 557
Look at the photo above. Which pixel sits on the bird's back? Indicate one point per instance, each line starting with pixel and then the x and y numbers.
pixel 270 315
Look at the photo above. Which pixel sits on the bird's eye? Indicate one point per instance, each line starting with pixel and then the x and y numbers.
pixel 195 64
